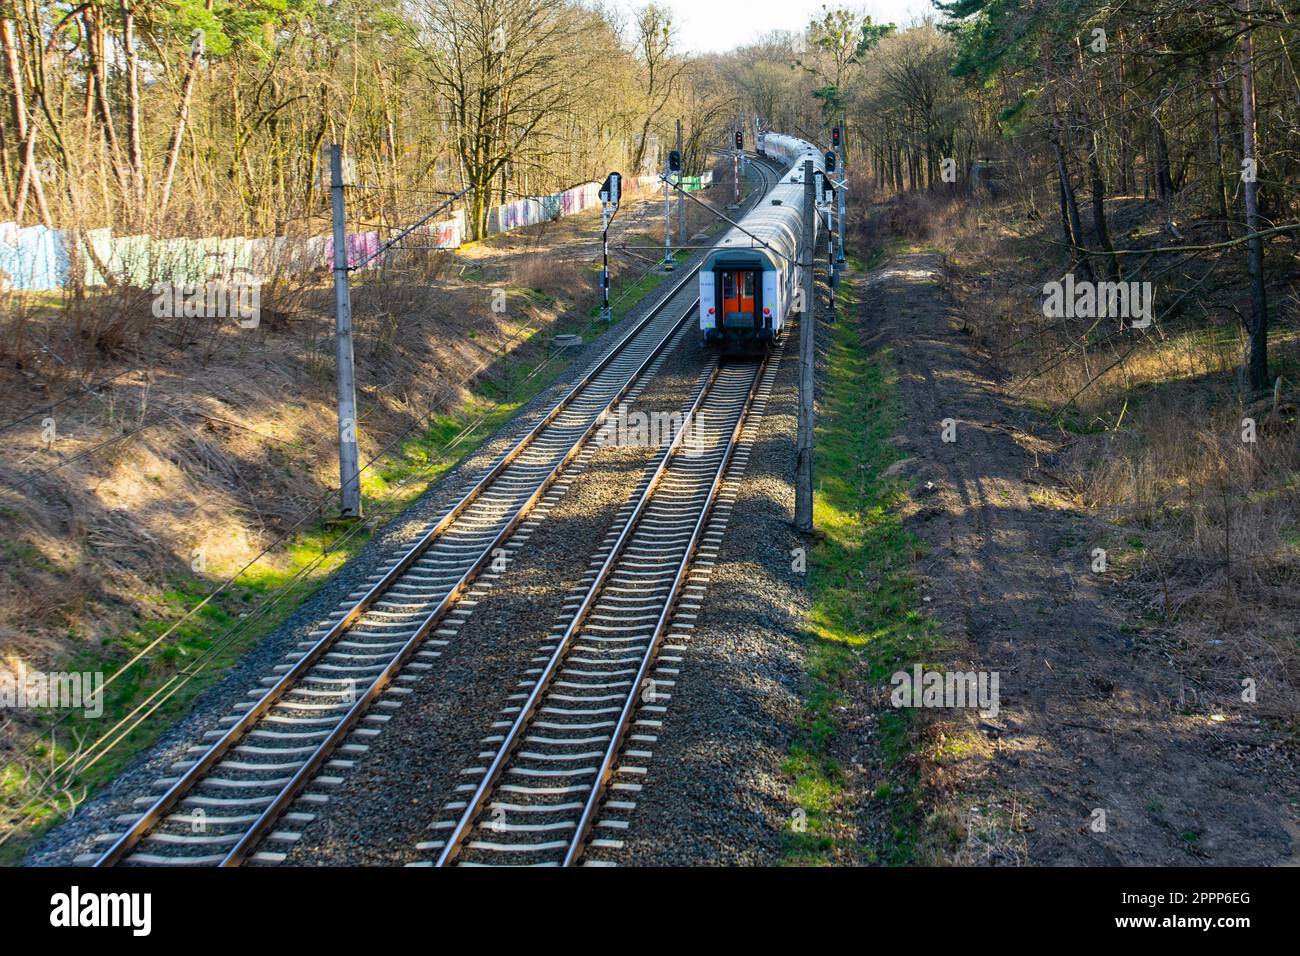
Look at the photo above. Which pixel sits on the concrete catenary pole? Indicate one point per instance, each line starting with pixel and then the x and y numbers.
pixel 844 180
pixel 803 498
pixel 668 218
pixel 345 377
pixel 605 313
pixel 735 175
pixel 681 200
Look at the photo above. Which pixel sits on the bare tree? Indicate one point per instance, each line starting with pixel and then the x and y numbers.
pixel 660 71
pixel 500 67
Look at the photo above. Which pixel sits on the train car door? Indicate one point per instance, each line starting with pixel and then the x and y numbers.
pixel 739 301
pixel 708 301
pixel 771 301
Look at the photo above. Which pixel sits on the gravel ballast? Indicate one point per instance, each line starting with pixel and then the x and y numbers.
pixel 714 793
pixel 77 836
pixel 401 785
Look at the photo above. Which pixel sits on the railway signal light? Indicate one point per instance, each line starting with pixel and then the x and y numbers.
pixel 829 161
pixel 835 136
pixel 828 188
pixel 740 139
pixel 674 161
pixel 611 190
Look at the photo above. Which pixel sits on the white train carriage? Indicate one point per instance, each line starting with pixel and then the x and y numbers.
pixel 750 281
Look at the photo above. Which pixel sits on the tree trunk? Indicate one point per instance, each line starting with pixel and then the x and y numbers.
pixel 1066 235
pixel 1110 267
pixel 178 134
pixel 1258 363
pixel 1110 262
pixel 1221 182
pixel 29 178
pixel 1125 137
pixel 133 101
pixel 1070 209
pixel 97 77
pixel 1164 181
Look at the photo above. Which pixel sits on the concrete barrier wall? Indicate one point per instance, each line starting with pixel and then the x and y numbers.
pixel 35 258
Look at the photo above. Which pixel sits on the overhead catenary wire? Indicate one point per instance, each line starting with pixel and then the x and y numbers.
pixel 406 232
pixel 731 223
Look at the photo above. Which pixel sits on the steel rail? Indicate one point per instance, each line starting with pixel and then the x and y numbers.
pixel 475 804
pixel 219 748
pixel 624 722
pixel 304 774
pixel 510 741
pixel 158 811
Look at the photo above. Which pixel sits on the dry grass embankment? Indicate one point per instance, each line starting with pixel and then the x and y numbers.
pixel 1205 526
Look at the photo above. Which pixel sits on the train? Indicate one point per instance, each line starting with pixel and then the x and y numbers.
pixel 749 281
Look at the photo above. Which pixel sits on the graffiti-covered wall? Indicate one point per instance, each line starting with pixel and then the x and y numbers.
pixel 36 258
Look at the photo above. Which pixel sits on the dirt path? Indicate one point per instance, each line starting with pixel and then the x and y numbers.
pixel 1090 716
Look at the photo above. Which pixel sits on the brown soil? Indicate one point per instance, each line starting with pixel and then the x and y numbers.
pixel 1095 715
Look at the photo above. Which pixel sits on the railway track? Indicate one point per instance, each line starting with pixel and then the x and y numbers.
pixel 227 799
pixel 256 778
pixel 586 713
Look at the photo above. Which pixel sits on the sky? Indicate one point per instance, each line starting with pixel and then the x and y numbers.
pixel 718 25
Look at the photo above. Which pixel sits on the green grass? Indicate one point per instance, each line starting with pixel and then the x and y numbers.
pixel 200 649
pixel 218 633
pixel 863 625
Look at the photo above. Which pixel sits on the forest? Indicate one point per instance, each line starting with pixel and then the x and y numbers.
pixel 172 117
pixel 159 116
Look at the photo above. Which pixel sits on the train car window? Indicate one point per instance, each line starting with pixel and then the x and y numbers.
pixel 728 285
pixel 749 285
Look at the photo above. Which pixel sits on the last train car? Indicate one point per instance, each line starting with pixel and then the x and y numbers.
pixel 748 281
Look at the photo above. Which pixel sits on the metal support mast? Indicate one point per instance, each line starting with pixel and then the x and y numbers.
pixel 345 376
pixel 803 501
pixel 844 181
